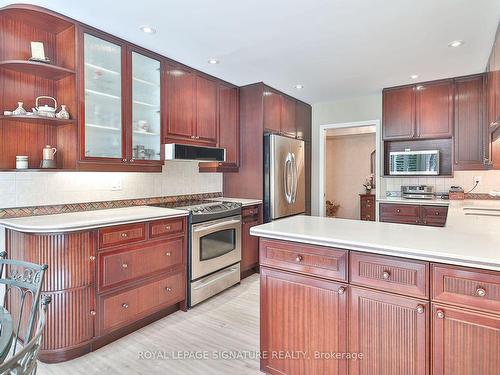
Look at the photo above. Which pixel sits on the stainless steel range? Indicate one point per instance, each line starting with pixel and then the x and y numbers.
pixel 214 249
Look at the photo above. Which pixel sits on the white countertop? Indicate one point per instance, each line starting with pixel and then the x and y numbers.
pixel 467 240
pixel 83 220
pixel 399 200
pixel 244 201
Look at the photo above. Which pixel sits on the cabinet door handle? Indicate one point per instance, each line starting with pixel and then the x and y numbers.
pixel 480 292
pixel 93 313
pixel 436 213
pixel 124 235
pixel 124 265
pixel 386 275
pixel 168 253
pixel 167 227
pixel 341 290
pixel 440 314
pixel 298 258
pixel 125 305
pixel 132 160
pixel 124 160
pixel 91 258
pixel 420 309
pixel 167 289
pixel 398 211
pixel 193 137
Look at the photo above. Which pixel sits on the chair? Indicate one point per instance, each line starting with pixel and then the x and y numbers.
pixel 23 283
pixel 25 362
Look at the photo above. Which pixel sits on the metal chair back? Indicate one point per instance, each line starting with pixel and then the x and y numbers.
pixel 23 283
pixel 25 362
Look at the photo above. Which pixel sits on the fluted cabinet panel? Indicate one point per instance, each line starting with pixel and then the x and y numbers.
pixel 390 331
pixel 465 342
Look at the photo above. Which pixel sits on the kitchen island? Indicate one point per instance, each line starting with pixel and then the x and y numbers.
pixel 371 297
pixel 109 272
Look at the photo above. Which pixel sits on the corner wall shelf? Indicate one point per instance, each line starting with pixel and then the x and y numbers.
pixel 37 68
pixel 39 119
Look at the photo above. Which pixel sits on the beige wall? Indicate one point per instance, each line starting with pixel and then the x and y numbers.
pixel 347 165
pixel 362 108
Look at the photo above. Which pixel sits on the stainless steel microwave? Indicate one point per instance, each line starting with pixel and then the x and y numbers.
pixel 414 163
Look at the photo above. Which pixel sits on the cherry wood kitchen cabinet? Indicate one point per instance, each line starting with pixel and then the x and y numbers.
pixel 470 141
pixel 398 106
pixel 251 216
pixel 493 103
pixel 206 130
pixel 367 207
pixel 272 109
pixel 229 131
pixel 464 341
pixel 434 109
pixel 105 282
pixel 288 120
pixel 303 118
pixel 391 331
pixel 429 215
pixel 305 317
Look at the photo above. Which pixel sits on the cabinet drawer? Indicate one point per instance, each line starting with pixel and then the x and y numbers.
pixel 162 228
pixel 138 261
pixel 122 234
pixel 126 307
pixel 466 287
pixel 312 260
pixel 434 215
pixel 400 213
pixel 408 277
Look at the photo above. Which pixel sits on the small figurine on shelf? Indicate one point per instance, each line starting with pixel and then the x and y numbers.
pixel 63 114
pixel 19 111
pixel 369 184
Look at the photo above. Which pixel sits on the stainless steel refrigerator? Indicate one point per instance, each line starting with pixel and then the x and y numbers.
pixel 284 177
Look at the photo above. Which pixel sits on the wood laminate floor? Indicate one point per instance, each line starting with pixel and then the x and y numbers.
pixel 227 324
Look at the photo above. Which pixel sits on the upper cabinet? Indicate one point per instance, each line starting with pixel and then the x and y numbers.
pixel 493 103
pixel 272 109
pixel 434 109
pixel 121 107
pixel 303 118
pixel 423 111
pixel 288 120
pixel 399 113
pixel 206 110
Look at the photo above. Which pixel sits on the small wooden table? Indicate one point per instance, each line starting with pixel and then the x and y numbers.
pixel 6 333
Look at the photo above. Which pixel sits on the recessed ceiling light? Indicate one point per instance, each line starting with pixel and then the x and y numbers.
pixel 213 61
pixel 414 76
pixel 298 87
pixel 147 29
pixel 455 43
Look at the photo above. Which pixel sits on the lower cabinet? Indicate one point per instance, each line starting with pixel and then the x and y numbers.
pixel 303 319
pixel 428 215
pixel 390 331
pixel 464 342
pixel 251 216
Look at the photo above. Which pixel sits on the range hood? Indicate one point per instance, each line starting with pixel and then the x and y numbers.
pixel 175 151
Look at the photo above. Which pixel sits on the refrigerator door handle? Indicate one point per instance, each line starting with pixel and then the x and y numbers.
pixel 294 178
pixel 287 176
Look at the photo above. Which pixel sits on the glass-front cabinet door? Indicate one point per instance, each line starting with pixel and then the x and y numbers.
pixel 103 98
pixel 146 114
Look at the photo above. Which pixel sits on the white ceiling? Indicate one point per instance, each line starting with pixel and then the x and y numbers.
pixel 335 48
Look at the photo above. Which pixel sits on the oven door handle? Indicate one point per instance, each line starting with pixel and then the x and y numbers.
pixel 209 280
pixel 218 225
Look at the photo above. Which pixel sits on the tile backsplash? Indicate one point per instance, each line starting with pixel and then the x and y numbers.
pixel 490 180
pixel 21 189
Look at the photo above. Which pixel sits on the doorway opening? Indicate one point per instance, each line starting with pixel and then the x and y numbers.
pixel 350 170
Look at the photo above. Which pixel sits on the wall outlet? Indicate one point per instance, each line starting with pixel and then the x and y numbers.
pixel 116 183
pixel 477 180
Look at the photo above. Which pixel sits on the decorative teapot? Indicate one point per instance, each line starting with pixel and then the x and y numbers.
pixel 45 111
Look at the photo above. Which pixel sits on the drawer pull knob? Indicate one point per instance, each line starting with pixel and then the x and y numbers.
pixel 398 211
pixel 168 290
pixel 167 227
pixel 125 305
pixel 124 235
pixel 168 253
pixel 436 213
pixel 420 309
pixel 91 258
pixel 480 292
pixel 386 275
pixel 440 314
pixel 341 290
pixel 299 258
pixel 124 265
pixel 92 312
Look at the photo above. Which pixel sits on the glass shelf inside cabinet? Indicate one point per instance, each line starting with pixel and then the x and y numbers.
pixel 103 98
pixel 146 118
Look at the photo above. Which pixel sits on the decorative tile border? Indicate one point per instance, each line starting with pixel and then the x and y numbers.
pixel 90 206
pixel 480 196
